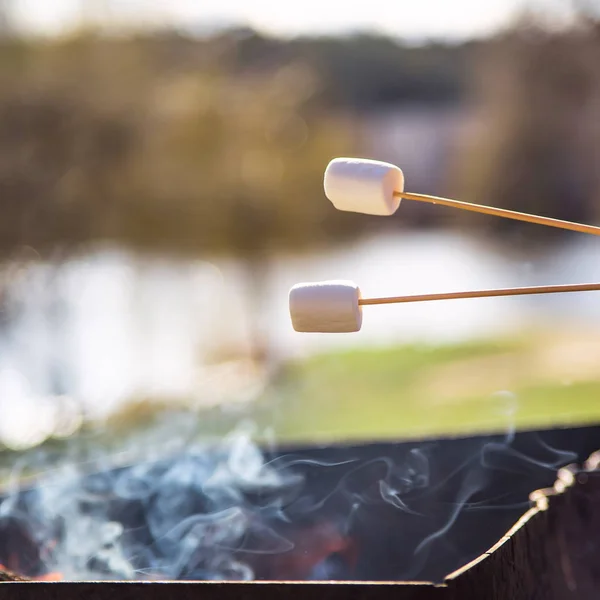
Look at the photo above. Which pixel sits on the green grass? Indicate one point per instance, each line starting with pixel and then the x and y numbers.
pixel 408 392
pixel 386 393
pixel 381 394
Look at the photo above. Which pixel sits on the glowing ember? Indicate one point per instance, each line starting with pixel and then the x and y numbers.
pixel 10 575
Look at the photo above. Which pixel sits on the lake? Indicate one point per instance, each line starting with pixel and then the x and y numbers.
pixel 109 326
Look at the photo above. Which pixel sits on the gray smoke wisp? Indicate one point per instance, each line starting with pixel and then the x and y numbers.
pixel 233 511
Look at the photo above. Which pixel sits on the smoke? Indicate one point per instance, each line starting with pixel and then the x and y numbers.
pixel 213 512
pixel 230 510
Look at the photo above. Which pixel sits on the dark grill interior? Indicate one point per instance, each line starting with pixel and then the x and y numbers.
pixel 411 511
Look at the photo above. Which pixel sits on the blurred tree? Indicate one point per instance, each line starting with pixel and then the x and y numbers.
pixel 537 147
pixel 238 162
pixel 218 144
pixel 125 141
pixel 365 71
pixel 104 140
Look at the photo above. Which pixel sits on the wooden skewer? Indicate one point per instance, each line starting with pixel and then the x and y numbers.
pixel 524 291
pixel 500 212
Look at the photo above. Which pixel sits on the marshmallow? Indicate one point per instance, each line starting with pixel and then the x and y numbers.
pixel 326 307
pixel 363 186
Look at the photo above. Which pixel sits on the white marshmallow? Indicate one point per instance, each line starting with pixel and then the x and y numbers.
pixel 363 186
pixel 326 307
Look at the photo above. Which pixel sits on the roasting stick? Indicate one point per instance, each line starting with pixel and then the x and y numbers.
pixel 523 291
pixel 500 212
pixel 375 188
pixel 336 306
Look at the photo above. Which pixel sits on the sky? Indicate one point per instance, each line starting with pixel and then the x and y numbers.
pixel 407 18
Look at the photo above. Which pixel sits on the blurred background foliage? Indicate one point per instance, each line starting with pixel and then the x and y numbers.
pixel 187 145
pixel 182 147
pixel 160 144
pixel 539 90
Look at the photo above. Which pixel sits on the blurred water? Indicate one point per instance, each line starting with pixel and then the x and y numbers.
pixel 110 326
